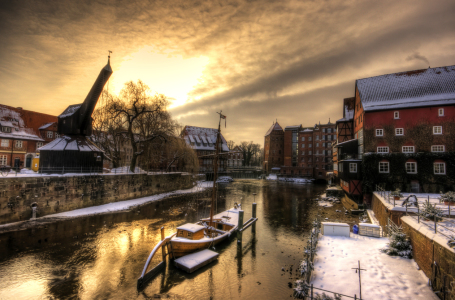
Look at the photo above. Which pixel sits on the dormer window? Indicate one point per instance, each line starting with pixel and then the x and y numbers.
pixel 441 112
pixel 396 114
pixel 50 134
pixel 6 129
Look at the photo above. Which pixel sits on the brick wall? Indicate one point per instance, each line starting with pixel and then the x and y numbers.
pixel 382 213
pixel 58 194
pixel 435 260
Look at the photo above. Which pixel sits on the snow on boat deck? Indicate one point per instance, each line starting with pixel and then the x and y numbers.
pixel 386 277
pixel 194 261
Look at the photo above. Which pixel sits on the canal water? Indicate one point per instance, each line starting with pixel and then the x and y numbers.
pixel 106 263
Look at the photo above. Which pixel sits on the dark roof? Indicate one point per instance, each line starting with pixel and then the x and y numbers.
pixel 274 126
pixel 426 87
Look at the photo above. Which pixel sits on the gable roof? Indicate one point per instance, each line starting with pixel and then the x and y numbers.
pixel 196 135
pixel 426 87
pixel 274 126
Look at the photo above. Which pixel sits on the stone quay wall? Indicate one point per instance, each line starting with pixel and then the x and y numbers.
pixel 52 194
pixel 382 212
pixel 433 256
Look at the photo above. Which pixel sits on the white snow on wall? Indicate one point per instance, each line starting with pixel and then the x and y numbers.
pixel 70 110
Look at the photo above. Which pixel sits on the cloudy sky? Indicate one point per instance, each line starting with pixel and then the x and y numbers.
pixel 258 61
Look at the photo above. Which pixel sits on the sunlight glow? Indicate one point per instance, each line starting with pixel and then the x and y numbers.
pixel 171 75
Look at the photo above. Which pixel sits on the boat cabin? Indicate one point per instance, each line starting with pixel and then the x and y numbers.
pixel 191 231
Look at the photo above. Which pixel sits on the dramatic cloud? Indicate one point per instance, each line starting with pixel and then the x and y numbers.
pixel 263 60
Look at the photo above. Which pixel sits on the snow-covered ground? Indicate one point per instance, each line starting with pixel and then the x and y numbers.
pixel 127 204
pixel 386 277
pixel 397 205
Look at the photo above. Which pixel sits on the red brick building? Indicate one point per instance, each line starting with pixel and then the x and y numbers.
pixel 307 151
pixel 22 133
pixel 404 132
pixel 273 148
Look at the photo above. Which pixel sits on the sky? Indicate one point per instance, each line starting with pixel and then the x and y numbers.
pixel 257 61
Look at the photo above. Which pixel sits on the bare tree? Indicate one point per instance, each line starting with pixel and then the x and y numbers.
pixel 107 131
pixel 250 151
pixel 231 144
pixel 136 107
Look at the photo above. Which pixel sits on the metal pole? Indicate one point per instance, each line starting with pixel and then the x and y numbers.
pixel 434 218
pixel 254 216
pixel 163 251
pixel 360 282
pixel 240 226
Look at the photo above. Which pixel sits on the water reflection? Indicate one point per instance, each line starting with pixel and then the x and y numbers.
pixel 106 261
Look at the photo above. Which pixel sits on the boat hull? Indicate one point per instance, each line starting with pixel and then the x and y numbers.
pixel 181 248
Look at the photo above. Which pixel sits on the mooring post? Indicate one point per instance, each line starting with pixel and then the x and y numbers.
pixel 254 216
pixel 240 227
pixel 163 250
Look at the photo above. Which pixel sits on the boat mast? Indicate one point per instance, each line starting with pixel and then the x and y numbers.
pixel 215 167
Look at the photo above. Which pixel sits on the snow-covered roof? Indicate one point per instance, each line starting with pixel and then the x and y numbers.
pixel 426 87
pixel 70 110
pixel 6 124
pixel 197 135
pixel 274 126
pixel 46 126
pixel 20 134
pixel 191 227
pixel 307 130
pixel 71 143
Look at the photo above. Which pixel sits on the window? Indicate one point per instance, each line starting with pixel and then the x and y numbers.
pixel 317 144
pixel 323 144
pixel 303 158
pixel 408 149
pixel 379 132
pixel 439 168
pixel 329 144
pixel 435 148
pixel 18 144
pixel 303 145
pixel 396 115
pixel 302 152
pixel 317 137
pixel 309 152
pixel 50 134
pixel 3 160
pixel 335 167
pixel 58 135
pixel 340 167
pixel 437 129
pixel 6 129
pixel 383 150
pixel 329 152
pixel 323 130
pixel 310 145
pixel 411 167
pixel 441 112
pixel 303 139
pixel 39 144
pixel 399 131
pixel 352 168
pixel 384 167
pixel 5 143
pixel 309 138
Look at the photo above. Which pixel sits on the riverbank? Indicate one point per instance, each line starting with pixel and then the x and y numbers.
pixel 66 226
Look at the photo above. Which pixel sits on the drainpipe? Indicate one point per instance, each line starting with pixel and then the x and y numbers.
pixel 12 149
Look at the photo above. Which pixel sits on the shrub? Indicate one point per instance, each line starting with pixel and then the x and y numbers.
pixel 399 245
